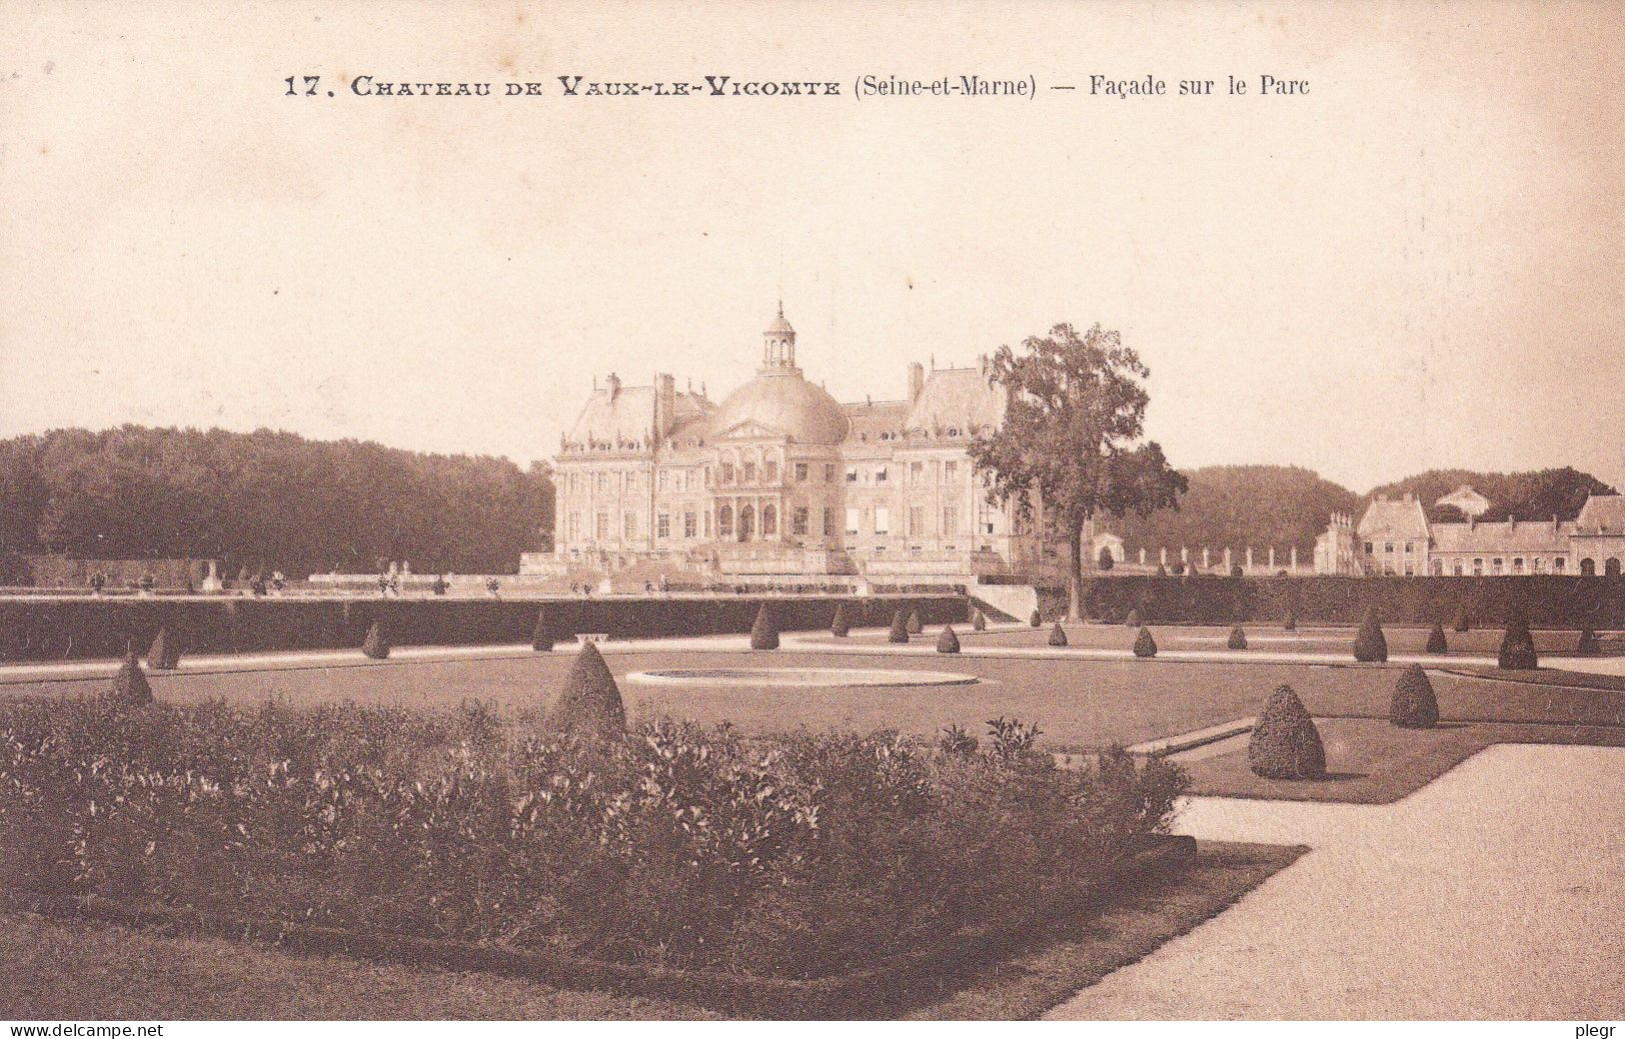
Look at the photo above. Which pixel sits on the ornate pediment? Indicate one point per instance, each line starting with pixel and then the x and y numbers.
pixel 751 429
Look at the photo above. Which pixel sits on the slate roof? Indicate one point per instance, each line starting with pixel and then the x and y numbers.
pixel 1394 520
pixel 1602 514
pixel 957 398
pixel 1503 536
pixel 614 419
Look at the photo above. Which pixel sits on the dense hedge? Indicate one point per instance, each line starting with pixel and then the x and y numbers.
pixel 46 629
pixel 1552 602
pixel 796 856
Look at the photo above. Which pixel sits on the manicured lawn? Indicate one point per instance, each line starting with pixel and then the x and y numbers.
pixel 1369 761
pixel 1027 986
pixel 1080 704
pixel 72 970
pixel 64 969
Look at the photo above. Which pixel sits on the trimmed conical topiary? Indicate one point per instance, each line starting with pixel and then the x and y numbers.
pixel 1370 646
pixel 840 627
pixel 978 621
pixel 1057 635
pixel 1517 645
pixel 899 628
pixel 764 634
pixel 165 652
pixel 130 686
pixel 1436 639
pixel 1589 645
pixel 1133 619
pixel 1285 743
pixel 376 644
pixel 590 702
pixel 948 642
pixel 542 637
pixel 1144 644
pixel 1414 705
pixel 1238 638
pixel 1035 620
pixel 914 625
pixel 1463 621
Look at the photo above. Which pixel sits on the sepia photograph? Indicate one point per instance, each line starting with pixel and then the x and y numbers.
pixel 958 511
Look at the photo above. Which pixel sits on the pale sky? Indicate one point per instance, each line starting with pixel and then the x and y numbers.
pixel 1414 266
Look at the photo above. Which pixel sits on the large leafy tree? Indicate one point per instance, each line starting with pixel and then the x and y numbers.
pixel 1066 451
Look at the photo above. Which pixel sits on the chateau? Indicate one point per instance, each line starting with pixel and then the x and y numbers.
pixel 780 483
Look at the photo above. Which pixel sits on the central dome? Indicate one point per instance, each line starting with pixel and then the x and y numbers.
pixel 783 400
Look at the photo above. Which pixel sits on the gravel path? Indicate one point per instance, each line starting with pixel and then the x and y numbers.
pixel 1496 892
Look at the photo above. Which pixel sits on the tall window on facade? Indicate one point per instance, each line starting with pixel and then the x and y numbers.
pixel 801 472
pixel 603 526
pixel 916 472
pixel 851 474
pixel 630 524
pixel 950 472
pixel 1517 564
pixel 880 475
pixel 1478 568
pixel 750 472
pixel 725 521
pixel 882 520
pixel 575 526
pixel 1559 565
pixel 770 521
pixel 663 481
pixel 916 520
pixel 854 517
pixel 663 526
pixel 829 523
pixel 727 472
pixel 798 521
pixel 950 520
pixel 1588 567
pixel 747 522
pixel 690 526
pixel 829 472
pixel 770 472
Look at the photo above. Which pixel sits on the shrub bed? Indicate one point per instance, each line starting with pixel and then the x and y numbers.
pixel 82 628
pixel 800 856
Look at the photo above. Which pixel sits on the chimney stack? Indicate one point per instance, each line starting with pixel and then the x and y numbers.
pixel 916 381
pixel 665 403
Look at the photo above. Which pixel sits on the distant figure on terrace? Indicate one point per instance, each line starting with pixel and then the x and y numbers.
pixel 98 581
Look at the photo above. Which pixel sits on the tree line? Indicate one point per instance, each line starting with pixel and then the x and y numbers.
pixel 267 499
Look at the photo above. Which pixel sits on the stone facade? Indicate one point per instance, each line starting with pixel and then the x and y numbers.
pixel 1397 538
pixel 781 482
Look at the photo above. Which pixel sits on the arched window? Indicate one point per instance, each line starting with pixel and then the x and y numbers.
pixel 1588 567
pixel 725 521
pixel 1611 568
pixel 747 523
pixel 770 521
